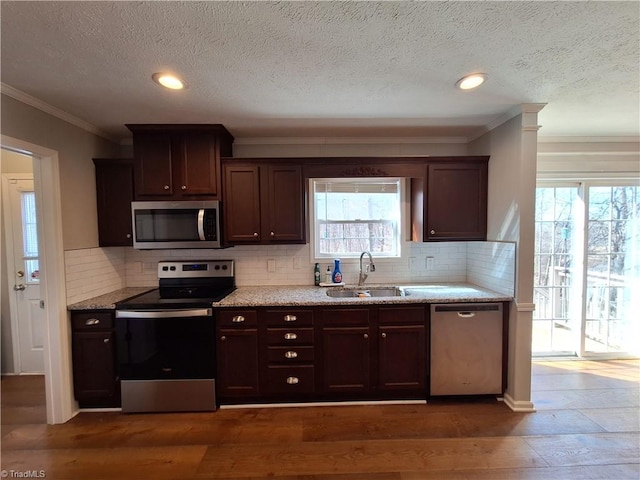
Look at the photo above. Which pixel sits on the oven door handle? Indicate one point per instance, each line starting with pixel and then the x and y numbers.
pixel 201 224
pixel 193 312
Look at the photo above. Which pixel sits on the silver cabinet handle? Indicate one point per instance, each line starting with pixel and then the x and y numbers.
pixel 223 338
pixel 290 318
pixel 128 235
pixel 255 234
pixel 106 340
pixel 184 187
pixel 384 335
pixel 293 380
pixel 20 287
pixel 432 232
pixel 92 321
pixel 290 336
pixel 291 354
pixel 166 187
pixel 238 319
pixel 366 336
pixel 273 234
pixel 466 314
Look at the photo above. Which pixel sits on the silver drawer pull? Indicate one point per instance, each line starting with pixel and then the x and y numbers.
pixel 92 321
pixel 466 314
pixel 237 319
pixel 290 336
pixel 290 318
pixel 293 380
pixel 291 354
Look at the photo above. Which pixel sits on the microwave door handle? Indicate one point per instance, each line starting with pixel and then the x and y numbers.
pixel 201 224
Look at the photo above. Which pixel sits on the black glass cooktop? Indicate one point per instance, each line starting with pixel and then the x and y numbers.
pixel 153 300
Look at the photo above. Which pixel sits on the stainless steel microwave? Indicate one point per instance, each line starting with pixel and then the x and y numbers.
pixel 188 224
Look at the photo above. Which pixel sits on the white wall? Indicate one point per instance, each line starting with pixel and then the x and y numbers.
pixel 511 204
pixel 76 147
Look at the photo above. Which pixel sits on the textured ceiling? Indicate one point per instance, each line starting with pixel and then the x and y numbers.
pixel 330 68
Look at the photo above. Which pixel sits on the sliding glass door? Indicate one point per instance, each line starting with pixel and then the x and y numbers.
pixel 587 269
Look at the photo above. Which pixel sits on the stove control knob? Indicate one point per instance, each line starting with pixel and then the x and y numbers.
pixel 224 267
pixel 173 269
pixel 217 267
pixel 165 269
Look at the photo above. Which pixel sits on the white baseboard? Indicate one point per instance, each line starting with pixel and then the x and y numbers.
pixel 518 405
pixel 323 404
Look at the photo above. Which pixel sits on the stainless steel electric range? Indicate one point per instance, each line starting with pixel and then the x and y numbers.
pixel 166 338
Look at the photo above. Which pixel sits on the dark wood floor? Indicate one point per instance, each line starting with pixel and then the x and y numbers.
pixel 586 427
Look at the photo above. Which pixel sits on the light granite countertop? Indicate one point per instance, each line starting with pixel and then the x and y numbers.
pixel 293 295
pixel 310 295
pixel 108 301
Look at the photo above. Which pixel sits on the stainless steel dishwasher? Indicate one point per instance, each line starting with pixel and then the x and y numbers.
pixel 466 349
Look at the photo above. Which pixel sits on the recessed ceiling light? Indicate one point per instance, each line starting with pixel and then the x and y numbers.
pixel 168 80
pixel 471 81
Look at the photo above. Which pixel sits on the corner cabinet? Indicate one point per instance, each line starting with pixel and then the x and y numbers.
pixel 450 201
pixel 263 202
pixel 114 193
pixel 95 381
pixel 179 162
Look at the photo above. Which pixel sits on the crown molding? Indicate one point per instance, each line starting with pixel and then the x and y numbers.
pixel 508 115
pixel 53 111
pixel 346 140
pixel 583 139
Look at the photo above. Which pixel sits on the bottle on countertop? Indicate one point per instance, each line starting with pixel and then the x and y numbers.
pixel 327 275
pixel 316 275
pixel 337 274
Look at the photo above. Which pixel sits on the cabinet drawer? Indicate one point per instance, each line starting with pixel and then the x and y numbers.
pixel 92 320
pixel 291 380
pixel 401 315
pixel 340 317
pixel 288 317
pixel 238 318
pixel 289 336
pixel 290 354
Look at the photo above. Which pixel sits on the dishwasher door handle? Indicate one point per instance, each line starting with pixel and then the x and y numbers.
pixel 466 314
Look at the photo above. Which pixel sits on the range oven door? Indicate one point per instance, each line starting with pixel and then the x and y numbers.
pixel 166 359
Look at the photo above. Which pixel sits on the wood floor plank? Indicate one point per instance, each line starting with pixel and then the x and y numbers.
pixel 451 425
pixel 587 449
pixel 598 472
pixel 324 458
pixel 165 463
pixel 615 419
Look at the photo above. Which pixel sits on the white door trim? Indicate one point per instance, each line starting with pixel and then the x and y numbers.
pixel 8 237
pixel 61 405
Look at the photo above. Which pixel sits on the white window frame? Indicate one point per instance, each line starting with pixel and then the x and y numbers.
pixel 349 259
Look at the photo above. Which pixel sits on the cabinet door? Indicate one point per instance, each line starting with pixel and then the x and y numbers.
pixel 283 204
pixel 402 351
pixel 114 193
pixel 346 354
pixel 456 202
pixel 94 377
pixel 153 164
pixel 242 203
pixel 237 352
pixel 199 172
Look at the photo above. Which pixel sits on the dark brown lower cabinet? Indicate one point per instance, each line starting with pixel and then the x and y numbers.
pixel 95 380
pixel 383 355
pixel 346 360
pixel 237 354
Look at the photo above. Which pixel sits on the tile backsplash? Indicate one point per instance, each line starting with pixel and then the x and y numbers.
pixel 95 271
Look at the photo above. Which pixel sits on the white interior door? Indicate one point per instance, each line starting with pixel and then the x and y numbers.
pixel 23 271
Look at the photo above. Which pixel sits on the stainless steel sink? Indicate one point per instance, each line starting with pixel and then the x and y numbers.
pixel 365 292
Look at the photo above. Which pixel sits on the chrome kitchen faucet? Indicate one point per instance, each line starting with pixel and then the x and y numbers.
pixel 369 268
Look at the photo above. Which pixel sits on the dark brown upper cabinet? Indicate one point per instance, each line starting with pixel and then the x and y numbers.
pixel 179 162
pixel 450 201
pixel 114 193
pixel 263 202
